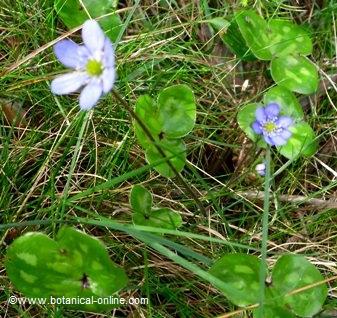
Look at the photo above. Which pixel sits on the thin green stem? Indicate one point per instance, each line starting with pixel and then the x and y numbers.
pixel 83 119
pixel 161 151
pixel 263 264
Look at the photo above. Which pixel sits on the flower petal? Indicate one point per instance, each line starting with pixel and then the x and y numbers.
pixel 68 83
pixel 109 54
pixel 284 122
pixel 93 36
pixel 108 77
pixel 268 140
pixel 272 110
pixel 285 134
pixel 66 52
pixel 257 127
pixel 90 95
pixel 84 55
pixel 261 169
pixel 277 140
pixel 260 115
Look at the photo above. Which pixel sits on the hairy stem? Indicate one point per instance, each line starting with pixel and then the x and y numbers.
pixel 263 264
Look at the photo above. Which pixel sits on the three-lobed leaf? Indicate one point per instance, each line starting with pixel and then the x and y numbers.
pixel 168 120
pixel 293 290
pixel 73 265
pixel 144 214
pixel 163 218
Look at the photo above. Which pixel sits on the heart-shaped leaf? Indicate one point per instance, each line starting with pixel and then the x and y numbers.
pixel 302 142
pixel 73 13
pixel 286 99
pixel 288 38
pixel 240 272
pixel 255 31
pixel 141 200
pixel 74 265
pixel 163 218
pixel 175 151
pixel 296 73
pixel 293 272
pixel 176 110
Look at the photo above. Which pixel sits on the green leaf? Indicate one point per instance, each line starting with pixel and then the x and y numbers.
pixel 292 272
pixel 240 272
pixel 232 37
pixel 174 149
pixel 176 110
pixel 288 38
pixel 75 265
pixel 27 262
pixel 73 14
pixel 141 200
pixel 273 307
pixel 302 142
pixel 254 29
pixel 245 118
pixel 274 312
pixel 164 218
pixel 286 99
pixel 296 73
pixel 146 110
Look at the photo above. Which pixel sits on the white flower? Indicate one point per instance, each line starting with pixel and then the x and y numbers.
pixel 93 64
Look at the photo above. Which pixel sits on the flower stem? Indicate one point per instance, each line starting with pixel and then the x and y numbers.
pixel 160 150
pixel 264 245
pixel 83 118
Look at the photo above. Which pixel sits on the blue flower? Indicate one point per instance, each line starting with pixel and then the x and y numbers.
pixel 272 126
pixel 261 169
pixel 93 64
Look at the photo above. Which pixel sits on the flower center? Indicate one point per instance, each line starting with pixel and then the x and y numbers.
pixel 269 127
pixel 94 68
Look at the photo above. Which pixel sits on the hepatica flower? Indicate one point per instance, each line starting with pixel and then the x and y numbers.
pixel 92 63
pixel 261 169
pixel 272 126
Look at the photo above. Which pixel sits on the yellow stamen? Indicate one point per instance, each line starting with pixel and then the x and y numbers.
pixel 269 127
pixel 94 68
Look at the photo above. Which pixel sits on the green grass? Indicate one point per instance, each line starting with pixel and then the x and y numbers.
pixel 55 168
